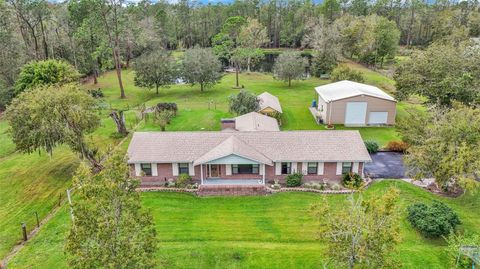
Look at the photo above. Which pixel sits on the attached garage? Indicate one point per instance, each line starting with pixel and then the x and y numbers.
pixel 355 104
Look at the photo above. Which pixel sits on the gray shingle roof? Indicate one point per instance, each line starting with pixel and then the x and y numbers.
pixel 269 100
pixel 254 121
pixel 296 146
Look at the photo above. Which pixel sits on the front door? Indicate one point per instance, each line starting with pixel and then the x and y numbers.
pixel 214 170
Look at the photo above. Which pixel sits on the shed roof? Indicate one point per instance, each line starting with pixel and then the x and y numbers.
pixel 254 121
pixel 345 89
pixel 295 146
pixel 269 100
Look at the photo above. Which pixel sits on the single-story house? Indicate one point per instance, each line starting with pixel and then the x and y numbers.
pixel 269 104
pixel 249 122
pixel 246 157
pixel 355 104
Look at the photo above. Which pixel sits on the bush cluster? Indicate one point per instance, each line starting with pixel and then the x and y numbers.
pixel 167 106
pixel 346 73
pixel 294 180
pixel 96 93
pixel 183 180
pixel 371 146
pixel 315 185
pixel 398 146
pixel 433 221
pixel 352 180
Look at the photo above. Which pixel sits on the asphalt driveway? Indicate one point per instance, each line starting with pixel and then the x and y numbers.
pixel 386 165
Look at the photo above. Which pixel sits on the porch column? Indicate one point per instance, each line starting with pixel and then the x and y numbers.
pixel 263 174
pixel 201 174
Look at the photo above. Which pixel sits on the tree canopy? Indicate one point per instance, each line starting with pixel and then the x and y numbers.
pixel 48 116
pixel 49 72
pixel 288 66
pixel 109 227
pixel 155 69
pixel 443 78
pixel 201 66
pixel 243 102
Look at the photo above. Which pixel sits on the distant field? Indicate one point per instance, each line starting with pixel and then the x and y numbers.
pixel 275 231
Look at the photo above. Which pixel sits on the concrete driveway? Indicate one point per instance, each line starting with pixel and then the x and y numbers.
pixel 386 165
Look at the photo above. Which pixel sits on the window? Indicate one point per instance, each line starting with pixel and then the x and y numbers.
pixel 346 168
pixel 183 168
pixel 286 168
pixel 312 168
pixel 245 168
pixel 146 168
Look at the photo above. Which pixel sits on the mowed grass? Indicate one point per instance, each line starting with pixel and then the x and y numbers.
pixel 203 110
pixel 275 231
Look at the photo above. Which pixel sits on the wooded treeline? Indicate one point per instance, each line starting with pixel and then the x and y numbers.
pixel 96 35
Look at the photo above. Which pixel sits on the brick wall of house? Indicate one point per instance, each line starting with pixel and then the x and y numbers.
pixel 165 172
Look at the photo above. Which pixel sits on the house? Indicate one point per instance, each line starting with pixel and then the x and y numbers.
pixel 269 104
pixel 249 122
pixel 354 104
pixel 247 158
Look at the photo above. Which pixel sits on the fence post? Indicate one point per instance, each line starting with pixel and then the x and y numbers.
pixel 38 222
pixel 24 231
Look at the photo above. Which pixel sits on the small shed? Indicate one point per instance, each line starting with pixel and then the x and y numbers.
pixel 355 104
pixel 269 104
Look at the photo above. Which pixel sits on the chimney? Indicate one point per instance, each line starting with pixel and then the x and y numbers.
pixel 228 124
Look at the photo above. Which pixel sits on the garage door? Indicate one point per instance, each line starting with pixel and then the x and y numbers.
pixel 378 118
pixel 355 113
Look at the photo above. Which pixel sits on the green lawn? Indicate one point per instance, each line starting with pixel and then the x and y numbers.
pixel 275 231
pixel 203 110
pixel 32 182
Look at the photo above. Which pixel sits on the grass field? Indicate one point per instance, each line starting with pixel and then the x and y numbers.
pixel 32 182
pixel 275 231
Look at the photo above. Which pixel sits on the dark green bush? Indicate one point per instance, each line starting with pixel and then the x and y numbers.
pixel 352 180
pixel 183 180
pixel 433 221
pixel 96 93
pixel 294 180
pixel 371 146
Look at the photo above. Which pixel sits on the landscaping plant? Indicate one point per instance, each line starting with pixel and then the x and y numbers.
pixel 183 180
pixel 433 220
pixel 294 180
pixel 372 146
pixel 397 146
pixel 352 180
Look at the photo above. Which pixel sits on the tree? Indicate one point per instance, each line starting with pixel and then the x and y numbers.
pixel 387 37
pixel 324 38
pixel 119 119
pixel 444 144
pixel 346 73
pixel 201 66
pixel 289 65
pixel 48 116
pixel 442 78
pixel 252 36
pixel 364 233
pixel 331 9
pixel 41 73
pixel 243 103
pixel 109 228
pixel 163 117
pixel 227 40
pixel 155 69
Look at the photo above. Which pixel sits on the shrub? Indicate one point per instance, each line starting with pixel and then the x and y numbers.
pixel 352 180
pixel 335 187
pixel 371 146
pixel 346 73
pixel 276 185
pixel 398 146
pixel 433 221
pixel 294 180
pixel 183 180
pixel 314 185
pixel 170 183
pixel 96 93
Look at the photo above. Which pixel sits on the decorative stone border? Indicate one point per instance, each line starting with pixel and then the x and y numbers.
pixel 166 189
pixel 310 190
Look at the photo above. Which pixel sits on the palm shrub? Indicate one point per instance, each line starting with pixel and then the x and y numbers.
pixel 352 180
pixel 183 180
pixel 433 220
pixel 372 146
pixel 294 180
